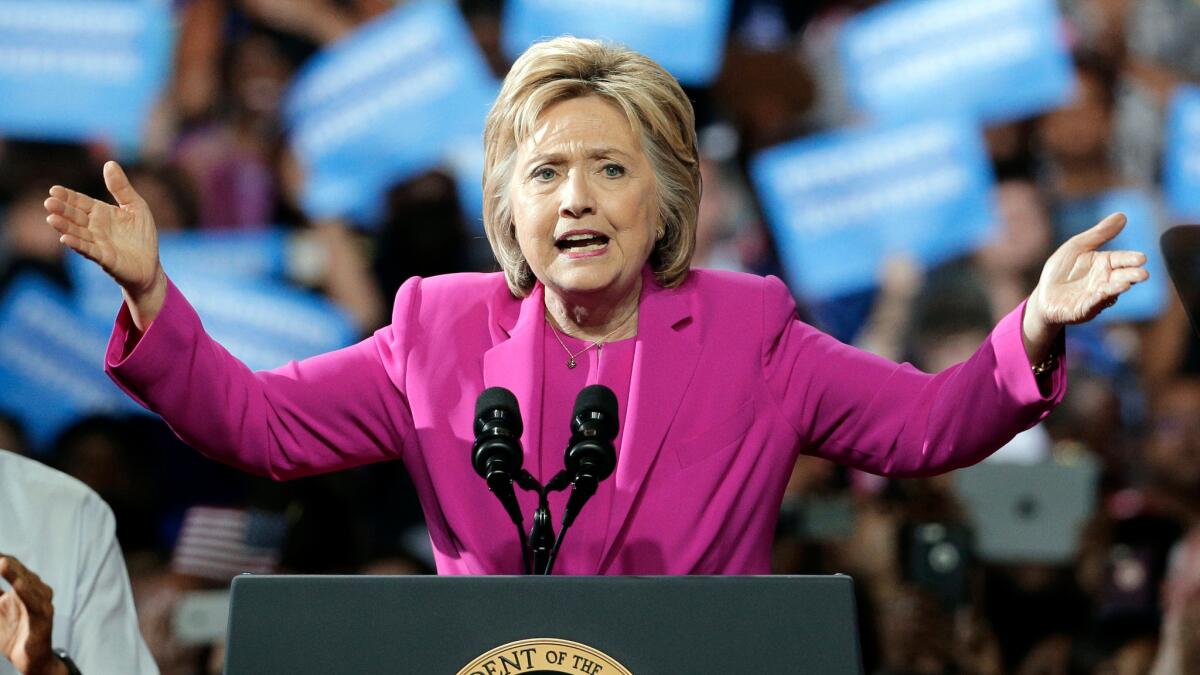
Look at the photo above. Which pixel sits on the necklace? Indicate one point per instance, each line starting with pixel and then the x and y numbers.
pixel 598 344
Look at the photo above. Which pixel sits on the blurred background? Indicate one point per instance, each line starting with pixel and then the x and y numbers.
pixel 906 166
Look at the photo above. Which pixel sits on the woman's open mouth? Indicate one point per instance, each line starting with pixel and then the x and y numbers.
pixel 581 243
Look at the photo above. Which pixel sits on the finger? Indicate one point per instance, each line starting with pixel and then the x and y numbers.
pixel 65 226
pixel 1129 275
pixel 59 207
pixel 86 249
pixel 33 591
pixel 118 184
pixel 1118 259
pixel 1112 289
pixel 76 199
pixel 27 585
pixel 1100 301
pixel 10 568
pixel 38 599
pixel 1099 234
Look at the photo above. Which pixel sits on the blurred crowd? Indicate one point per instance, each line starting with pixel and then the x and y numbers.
pixel 1126 601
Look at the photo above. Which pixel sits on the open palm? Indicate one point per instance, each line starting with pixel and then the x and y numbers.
pixel 121 239
pixel 1079 281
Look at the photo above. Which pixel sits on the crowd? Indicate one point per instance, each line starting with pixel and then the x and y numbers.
pixel 1126 600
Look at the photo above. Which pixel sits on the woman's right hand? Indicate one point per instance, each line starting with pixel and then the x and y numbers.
pixel 121 239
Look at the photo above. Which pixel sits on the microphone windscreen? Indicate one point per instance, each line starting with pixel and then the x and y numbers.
pixel 499 399
pixel 596 398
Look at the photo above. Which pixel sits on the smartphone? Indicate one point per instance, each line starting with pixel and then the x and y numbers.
pixel 937 559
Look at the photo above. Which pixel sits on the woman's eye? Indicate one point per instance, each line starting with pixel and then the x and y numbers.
pixel 614 170
pixel 544 174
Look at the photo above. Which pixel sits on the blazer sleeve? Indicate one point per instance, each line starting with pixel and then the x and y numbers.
pixel 332 411
pixel 858 409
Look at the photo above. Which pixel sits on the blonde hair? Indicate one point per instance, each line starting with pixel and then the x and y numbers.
pixel 658 111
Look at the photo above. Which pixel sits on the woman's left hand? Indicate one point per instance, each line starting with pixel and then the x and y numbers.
pixel 1077 283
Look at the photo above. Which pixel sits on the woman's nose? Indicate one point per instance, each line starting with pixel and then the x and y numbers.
pixel 576 197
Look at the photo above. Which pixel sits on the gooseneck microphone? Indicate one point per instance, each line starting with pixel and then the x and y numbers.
pixel 496 454
pixel 497 457
pixel 590 456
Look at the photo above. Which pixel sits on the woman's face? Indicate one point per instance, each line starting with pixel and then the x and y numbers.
pixel 584 200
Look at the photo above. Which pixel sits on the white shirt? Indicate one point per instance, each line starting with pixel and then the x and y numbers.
pixel 62 531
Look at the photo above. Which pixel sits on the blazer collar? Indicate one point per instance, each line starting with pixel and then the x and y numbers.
pixel 665 355
pixel 515 360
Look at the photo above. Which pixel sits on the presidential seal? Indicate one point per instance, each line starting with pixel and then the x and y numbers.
pixel 544 655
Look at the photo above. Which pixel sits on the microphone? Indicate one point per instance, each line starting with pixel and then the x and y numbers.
pixel 590 456
pixel 496 454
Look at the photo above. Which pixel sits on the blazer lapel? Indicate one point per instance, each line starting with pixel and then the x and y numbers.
pixel 515 363
pixel 665 356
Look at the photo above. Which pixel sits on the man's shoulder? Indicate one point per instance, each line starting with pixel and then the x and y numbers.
pixel 35 484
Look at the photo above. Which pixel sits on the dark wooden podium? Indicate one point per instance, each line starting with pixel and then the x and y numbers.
pixel 507 625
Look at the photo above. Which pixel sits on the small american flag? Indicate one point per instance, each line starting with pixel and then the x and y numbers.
pixel 221 543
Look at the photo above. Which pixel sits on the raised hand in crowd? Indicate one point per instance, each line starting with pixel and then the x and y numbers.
pixel 27 621
pixel 121 239
pixel 318 20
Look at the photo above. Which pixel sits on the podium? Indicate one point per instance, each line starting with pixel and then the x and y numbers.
pixel 508 625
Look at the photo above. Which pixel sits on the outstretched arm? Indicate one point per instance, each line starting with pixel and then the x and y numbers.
pixel 887 418
pixel 329 412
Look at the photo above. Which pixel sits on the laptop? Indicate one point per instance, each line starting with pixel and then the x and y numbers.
pixel 1028 513
pixel 496 625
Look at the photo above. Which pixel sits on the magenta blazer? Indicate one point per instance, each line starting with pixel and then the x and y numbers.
pixel 728 386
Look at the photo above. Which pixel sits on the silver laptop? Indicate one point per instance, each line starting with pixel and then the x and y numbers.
pixel 1028 513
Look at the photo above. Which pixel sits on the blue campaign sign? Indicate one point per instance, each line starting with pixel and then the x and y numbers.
pixel 838 203
pixel 465 161
pixel 52 361
pixel 250 255
pixel 992 59
pixel 384 104
pixel 1146 300
pixel 245 254
pixel 1181 154
pixel 82 69
pixel 687 37
pixel 266 324
pixel 261 321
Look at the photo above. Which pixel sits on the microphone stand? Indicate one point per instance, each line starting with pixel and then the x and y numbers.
pixel 541 536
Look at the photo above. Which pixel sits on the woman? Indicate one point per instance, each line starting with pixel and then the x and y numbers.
pixel 592 187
